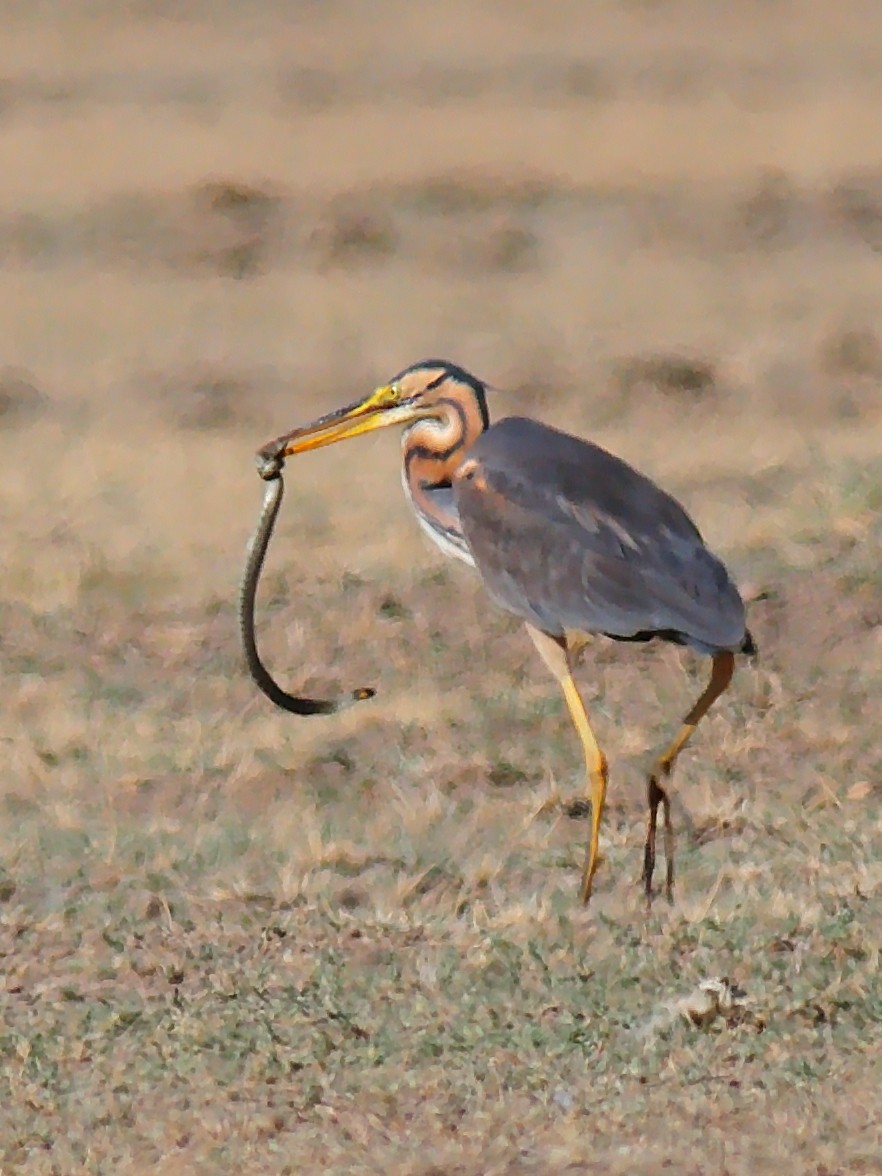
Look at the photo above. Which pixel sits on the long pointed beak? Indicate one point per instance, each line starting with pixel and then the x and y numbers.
pixel 375 412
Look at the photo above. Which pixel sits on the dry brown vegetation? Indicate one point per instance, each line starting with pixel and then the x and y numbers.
pixel 235 941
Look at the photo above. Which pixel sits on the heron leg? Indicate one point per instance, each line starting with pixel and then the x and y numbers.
pixel 556 656
pixel 721 676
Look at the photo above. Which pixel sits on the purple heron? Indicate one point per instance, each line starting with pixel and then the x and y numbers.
pixel 563 534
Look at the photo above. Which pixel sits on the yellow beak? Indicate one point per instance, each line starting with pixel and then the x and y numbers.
pixel 377 411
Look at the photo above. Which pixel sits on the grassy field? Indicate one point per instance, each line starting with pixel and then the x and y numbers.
pixel 237 941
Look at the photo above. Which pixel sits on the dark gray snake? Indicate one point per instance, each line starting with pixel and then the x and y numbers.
pixel 271 472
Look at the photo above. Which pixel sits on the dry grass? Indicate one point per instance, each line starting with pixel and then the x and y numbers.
pixel 232 941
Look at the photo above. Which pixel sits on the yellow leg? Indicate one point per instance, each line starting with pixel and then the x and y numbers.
pixel 721 676
pixel 598 774
pixel 556 656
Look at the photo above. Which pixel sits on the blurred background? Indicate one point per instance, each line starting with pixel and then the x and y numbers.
pixel 656 223
pixel 659 225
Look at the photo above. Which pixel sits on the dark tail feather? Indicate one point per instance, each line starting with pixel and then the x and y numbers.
pixel 749 646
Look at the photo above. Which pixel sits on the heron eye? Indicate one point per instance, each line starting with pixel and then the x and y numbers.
pixel 392 394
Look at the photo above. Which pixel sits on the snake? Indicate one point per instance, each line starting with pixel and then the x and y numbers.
pixel 271 472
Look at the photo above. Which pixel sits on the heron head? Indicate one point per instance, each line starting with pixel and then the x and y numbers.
pixel 424 390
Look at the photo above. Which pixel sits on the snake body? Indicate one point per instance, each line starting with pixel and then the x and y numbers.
pixel 257 548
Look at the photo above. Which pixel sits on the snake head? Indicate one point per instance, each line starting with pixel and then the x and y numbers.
pixel 270 461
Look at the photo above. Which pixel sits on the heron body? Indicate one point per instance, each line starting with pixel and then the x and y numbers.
pixel 571 538
pixel 564 535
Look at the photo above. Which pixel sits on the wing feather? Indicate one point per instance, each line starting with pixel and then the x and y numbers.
pixel 568 536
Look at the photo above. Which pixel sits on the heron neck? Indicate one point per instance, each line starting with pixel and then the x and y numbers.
pixel 435 446
pixel 433 449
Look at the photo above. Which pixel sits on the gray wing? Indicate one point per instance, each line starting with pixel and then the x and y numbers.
pixel 567 536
